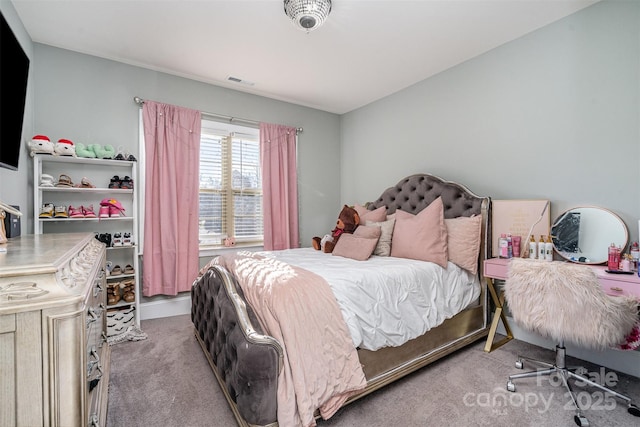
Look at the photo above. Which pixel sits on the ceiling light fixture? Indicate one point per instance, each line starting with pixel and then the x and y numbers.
pixel 307 15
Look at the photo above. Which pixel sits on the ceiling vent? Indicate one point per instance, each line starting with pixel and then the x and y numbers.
pixel 240 81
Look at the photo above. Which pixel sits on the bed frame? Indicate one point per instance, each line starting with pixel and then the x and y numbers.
pixel 246 362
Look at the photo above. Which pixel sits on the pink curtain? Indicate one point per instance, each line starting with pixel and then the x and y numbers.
pixel 172 153
pixel 279 186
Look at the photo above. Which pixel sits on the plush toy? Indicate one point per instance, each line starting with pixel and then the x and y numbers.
pixel 40 144
pixel 348 221
pixel 65 147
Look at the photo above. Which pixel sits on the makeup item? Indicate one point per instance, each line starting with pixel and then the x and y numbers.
pixel 509 246
pixel 516 246
pixel 503 246
pixel 541 248
pixel 533 248
pixel 548 249
pixel 635 256
pixel 625 264
pixel 613 262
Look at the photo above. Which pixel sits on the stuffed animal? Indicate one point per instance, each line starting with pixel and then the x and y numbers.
pixel 348 221
pixel 40 144
pixel 65 147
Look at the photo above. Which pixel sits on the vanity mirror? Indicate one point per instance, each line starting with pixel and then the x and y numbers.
pixel 584 234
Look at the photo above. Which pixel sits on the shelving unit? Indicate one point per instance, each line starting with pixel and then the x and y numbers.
pixel 99 173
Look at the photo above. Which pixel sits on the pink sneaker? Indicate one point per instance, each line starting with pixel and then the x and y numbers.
pixel 88 211
pixel 103 212
pixel 114 207
pixel 75 212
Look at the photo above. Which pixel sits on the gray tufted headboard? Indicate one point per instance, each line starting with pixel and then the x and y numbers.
pixel 416 192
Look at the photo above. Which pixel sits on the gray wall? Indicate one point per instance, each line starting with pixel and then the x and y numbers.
pixel 553 115
pixel 90 100
pixel 14 185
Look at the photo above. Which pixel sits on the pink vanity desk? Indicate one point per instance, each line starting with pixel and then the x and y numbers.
pixel 497 268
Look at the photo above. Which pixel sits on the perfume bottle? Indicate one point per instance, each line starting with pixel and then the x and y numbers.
pixel 613 262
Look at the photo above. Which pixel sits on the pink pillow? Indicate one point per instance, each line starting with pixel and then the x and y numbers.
pixel 422 236
pixel 376 215
pixel 359 245
pixel 463 241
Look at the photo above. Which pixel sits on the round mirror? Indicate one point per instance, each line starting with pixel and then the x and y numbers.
pixel 584 234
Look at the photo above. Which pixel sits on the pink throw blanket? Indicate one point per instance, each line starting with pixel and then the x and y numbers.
pixel 297 308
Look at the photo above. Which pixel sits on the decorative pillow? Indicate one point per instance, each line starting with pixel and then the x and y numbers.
pixel 383 248
pixel 359 245
pixel 422 236
pixel 463 241
pixel 379 214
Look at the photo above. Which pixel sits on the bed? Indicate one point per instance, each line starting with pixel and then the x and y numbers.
pixel 229 320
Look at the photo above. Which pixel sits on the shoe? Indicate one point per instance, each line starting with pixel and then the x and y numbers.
pixel 104 212
pixel 126 239
pixel 128 290
pixel 115 207
pixel 128 269
pixel 75 212
pixel 88 211
pixel 46 180
pixel 131 158
pixel 113 293
pixel 117 240
pixel 119 156
pixel 126 183
pixel 115 182
pixel 60 212
pixel 116 270
pixel 85 183
pixel 46 211
pixel 64 181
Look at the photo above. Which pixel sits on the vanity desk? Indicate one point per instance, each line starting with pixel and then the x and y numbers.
pixel 54 358
pixel 498 268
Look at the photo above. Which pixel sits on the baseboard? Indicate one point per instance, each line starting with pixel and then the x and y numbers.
pixel 627 362
pixel 165 308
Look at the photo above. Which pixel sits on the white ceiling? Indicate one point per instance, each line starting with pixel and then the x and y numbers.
pixel 366 50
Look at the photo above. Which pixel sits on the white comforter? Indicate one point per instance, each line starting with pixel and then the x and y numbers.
pixel 386 301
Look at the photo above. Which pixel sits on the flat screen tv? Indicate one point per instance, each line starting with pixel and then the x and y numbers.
pixel 14 74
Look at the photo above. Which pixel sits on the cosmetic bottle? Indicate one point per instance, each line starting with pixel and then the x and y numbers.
pixel 635 256
pixel 541 248
pixel 509 246
pixel 533 248
pixel 503 246
pixel 548 249
pixel 613 262
pixel 625 264
pixel 516 246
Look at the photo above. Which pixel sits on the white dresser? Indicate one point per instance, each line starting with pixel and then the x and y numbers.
pixel 54 359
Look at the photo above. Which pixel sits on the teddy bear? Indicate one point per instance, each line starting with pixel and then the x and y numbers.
pixel 348 221
pixel 40 144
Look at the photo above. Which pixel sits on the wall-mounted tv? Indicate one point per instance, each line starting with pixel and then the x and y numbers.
pixel 14 74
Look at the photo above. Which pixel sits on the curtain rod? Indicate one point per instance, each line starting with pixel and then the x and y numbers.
pixel 230 119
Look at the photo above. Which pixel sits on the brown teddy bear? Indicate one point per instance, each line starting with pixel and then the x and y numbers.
pixel 348 221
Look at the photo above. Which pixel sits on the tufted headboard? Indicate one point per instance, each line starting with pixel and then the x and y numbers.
pixel 416 192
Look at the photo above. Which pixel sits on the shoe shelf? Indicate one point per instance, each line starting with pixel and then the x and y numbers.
pixel 122 218
pixel 86 190
pixel 90 181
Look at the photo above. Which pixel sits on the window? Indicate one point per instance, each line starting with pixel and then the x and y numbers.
pixel 230 185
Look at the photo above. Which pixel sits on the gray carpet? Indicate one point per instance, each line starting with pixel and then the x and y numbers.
pixel 165 380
